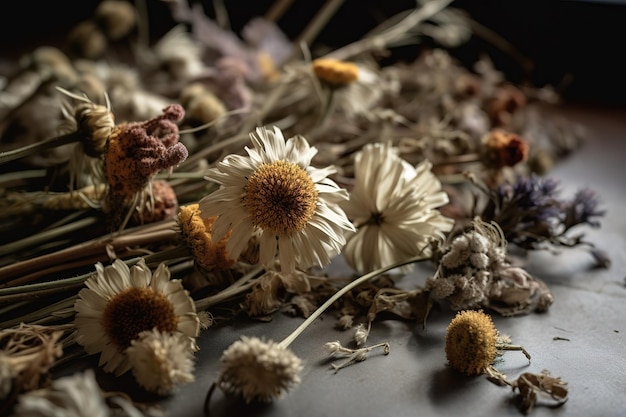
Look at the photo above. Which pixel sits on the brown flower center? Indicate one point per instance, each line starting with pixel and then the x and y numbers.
pixel 280 197
pixel 134 310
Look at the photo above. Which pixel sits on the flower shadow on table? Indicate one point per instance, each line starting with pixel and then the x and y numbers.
pixel 446 383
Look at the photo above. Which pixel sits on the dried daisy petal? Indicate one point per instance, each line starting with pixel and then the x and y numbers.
pixel 275 191
pixel 258 370
pixel 472 342
pixel 161 360
pixel 121 302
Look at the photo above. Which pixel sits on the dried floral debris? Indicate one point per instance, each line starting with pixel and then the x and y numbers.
pixel 155 188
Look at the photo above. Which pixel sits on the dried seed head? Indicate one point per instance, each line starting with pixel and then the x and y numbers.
pixel 471 342
pixel 334 72
pixel 201 105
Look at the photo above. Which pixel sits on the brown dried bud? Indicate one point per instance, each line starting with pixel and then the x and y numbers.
pixel 506 100
pixel 502 149
pixel 163 205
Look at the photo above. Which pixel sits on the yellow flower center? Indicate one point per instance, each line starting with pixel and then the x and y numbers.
pixel 134 310
pixel 335 72
pixel 280 198
pixel 471 342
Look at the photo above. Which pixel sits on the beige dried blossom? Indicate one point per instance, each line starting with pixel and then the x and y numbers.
pixel 258 370
pixel 161 361
pixel 394 207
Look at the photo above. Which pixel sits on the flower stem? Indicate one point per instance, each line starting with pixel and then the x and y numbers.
pixel 364 278
pixel 37 147
pixel 237 287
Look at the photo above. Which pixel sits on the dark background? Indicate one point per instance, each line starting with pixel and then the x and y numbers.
pixel 575 40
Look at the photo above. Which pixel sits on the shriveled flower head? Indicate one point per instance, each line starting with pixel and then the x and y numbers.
pixel 503 149
pixel 198 231
pixel 471 342
pixel 393 206
pixel 161 360
pixel 162 205
pixel 474 272
pixel 258 370
pixel 121 302
pixel 136 151
pixel 276 193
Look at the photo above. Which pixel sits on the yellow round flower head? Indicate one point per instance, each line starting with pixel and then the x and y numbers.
pixel 471 342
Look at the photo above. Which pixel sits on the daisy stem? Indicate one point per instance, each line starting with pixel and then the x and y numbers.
pixel 364 278
pixel 237 287
pixel 37 147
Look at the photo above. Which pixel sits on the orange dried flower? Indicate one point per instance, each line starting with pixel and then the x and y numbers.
pixel 197 231
pixel 502 149
pixel 335 72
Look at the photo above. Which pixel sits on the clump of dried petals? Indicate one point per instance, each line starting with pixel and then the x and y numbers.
pixel 272 290
pixel 474 272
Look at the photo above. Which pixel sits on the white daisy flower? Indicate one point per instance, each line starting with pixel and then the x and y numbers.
pixel 121 302
pixel 161 360
pixel 275 192
pixel 394 208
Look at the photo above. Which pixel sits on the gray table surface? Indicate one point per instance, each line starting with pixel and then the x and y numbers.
pixel 413 380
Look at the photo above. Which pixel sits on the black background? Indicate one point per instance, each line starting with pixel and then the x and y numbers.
pixel 582 40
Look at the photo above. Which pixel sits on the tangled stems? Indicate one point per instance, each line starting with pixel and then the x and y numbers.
pixel 341 292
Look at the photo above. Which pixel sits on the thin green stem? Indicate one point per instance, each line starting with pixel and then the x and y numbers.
pixel 290 338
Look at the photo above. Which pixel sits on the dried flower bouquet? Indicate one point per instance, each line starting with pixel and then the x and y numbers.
pixel 215 177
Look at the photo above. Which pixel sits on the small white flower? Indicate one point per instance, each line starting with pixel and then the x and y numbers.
pixel 394 208
pixel 258 370
pixel 161 361
pixel 276 192
pixel 121 302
